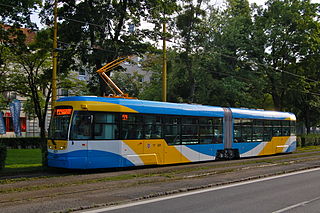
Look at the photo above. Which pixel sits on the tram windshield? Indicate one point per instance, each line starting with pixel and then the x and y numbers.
pixel 59 124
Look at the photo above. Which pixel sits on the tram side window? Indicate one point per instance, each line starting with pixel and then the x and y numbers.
pixel 260 130
pixel 246 130
pixel 189 131
pixel 81 126
pixel 206 131
pixel 237 131
pixel 257 131
pixel 153 127
pixel 267 131
pixel 218 130
pixel 276 128
pixel 172 130
pixel 285 128
pixel 132 126
pixel 105 126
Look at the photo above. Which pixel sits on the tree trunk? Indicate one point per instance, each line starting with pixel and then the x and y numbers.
pixel 307 121
pixel 276 99
pixel 43 144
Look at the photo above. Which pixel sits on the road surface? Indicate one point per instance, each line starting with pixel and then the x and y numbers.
pixel 295 192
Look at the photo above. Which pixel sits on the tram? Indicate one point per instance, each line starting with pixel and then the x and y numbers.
pixel 89 132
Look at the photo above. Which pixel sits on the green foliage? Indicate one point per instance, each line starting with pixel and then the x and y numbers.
pixel 191 31
pixel 70 81
pixel 3 155
pixel 4 62
pixel 208 66
pixel 18 12
pixel 152 89
pixel 97 32
pixel 129 83
pixel 242 56
pixel 13 15
pixel 238 56
pixel 3 103
pixel 29 107
pixel 288 29
pixel 308 140
pixel 30 74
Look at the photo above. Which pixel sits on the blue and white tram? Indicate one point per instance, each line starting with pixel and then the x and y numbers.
pixel 99 132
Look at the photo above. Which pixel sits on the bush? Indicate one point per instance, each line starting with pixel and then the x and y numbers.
pixel 3 155
pixel 308 140
pixel 22 142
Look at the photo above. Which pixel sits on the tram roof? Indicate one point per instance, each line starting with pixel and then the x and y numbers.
pixel 154 107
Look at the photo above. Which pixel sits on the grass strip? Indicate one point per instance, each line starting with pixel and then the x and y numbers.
pixel 23 157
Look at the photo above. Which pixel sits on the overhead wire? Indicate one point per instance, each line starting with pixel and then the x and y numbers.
pixel 84 22
pixel 267 66
pixel 7 5
pixel 250 81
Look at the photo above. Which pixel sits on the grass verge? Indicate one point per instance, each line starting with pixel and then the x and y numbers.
pixel 17 158
pixel 22 160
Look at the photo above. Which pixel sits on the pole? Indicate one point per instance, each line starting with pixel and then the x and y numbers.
pixel 164 66
pixel 54 56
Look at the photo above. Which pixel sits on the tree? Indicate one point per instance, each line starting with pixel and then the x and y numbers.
pixel 230 79
pixel 17 13
pixel 30 74
pixel 98 31
pixel 210 62
pixel 190 31
pixel 129 83
pixel 4 61
pixel 289 29
pixel 13 15
pixel 152 90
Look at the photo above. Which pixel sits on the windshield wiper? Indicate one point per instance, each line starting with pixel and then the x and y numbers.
pixel 53 142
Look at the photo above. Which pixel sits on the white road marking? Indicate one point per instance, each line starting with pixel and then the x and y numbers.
pixel 296 205
pixel 206 190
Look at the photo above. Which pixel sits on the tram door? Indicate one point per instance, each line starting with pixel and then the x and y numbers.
pixel 80 133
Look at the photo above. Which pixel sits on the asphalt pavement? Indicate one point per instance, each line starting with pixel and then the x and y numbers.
pixel 294 192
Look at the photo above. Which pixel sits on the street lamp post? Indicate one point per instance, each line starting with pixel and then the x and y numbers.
pixel 164 66
pixel 54 56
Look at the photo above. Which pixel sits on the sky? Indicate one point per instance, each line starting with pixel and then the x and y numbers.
pixel 260 2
